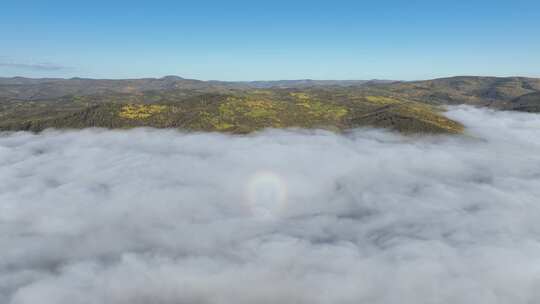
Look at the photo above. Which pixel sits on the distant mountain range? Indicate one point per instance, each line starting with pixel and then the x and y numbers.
pixel 46 88
pixel 240 107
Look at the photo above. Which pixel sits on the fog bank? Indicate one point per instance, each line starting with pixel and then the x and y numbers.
pixel 295 216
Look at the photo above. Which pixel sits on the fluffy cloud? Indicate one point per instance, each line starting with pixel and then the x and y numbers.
pixel 158 216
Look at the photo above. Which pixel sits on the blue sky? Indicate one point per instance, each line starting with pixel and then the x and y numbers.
pixel 262 40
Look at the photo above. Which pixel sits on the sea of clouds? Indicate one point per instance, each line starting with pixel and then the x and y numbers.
pixel 294 216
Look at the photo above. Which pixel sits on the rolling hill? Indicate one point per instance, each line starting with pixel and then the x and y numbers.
pixel 242 107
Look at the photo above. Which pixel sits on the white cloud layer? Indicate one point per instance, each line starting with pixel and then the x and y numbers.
pixel 157 216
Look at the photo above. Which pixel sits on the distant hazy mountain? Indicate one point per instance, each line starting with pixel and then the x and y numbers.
pixel 35 89
pixel 306 83
pixel 47 88
pixel 487 91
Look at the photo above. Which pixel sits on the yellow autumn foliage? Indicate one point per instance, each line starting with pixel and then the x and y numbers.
pixel 382 100
pixel 140 111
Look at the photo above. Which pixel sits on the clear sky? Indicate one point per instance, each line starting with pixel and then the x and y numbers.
pixel 263 40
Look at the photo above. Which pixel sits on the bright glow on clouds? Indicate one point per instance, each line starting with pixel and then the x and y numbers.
pixel 266 194
pixel 157 216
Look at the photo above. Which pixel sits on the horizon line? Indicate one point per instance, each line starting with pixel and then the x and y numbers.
pixel 269 80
